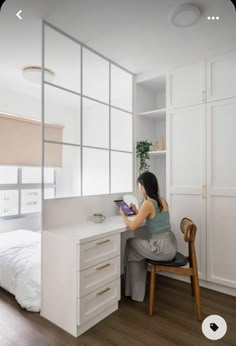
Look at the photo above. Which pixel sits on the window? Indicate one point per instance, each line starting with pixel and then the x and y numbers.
pixel 94 109
pixel 20 189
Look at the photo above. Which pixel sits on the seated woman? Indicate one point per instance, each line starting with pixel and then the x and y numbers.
pixel 162 244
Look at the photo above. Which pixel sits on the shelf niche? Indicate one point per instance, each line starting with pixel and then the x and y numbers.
pixel 151 122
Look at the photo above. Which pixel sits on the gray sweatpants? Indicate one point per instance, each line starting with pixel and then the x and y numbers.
pixel 161 247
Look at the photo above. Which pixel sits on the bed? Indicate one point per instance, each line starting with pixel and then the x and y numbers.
pixel 20 253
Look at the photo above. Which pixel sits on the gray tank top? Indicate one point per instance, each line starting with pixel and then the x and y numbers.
pixel 161 221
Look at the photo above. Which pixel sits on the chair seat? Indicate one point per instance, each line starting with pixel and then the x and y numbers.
pixel 179 261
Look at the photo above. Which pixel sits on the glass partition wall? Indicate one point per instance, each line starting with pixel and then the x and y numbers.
pixel 88 102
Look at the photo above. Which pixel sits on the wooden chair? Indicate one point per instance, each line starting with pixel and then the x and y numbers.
pixel 189 230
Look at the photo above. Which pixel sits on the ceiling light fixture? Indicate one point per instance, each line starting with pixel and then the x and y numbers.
pixel 34 74
pixel 185 15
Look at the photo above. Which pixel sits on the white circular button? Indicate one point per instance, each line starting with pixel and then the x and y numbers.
pixel 214 327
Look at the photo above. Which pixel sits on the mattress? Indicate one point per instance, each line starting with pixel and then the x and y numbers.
pixel 20 253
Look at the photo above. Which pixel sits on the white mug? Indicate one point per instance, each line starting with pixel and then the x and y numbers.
pixel 98 218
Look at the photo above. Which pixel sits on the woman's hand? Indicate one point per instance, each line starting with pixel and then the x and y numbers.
pixel 133 207
pixel 141 216
pixel 122 213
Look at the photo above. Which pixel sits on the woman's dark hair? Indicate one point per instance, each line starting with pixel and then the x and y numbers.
pixel 149 181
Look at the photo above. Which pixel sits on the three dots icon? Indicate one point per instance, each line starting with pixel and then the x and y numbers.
pixel 213 18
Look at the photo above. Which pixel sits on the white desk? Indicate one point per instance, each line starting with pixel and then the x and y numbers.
pixel 81 273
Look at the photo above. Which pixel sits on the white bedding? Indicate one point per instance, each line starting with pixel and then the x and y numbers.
pixel 20 267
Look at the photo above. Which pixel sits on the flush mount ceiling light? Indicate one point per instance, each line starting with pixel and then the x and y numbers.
pixel 34 74
pixel 185 15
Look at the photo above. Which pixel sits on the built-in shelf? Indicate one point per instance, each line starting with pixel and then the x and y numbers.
pixel 154 114
pixel 157 152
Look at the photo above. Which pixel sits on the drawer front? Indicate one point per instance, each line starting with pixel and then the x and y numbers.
pixel 97 251
pixel 92 278
pixel 97 301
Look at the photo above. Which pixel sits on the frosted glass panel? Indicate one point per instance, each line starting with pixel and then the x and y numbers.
pixel 9 203
pixel 95 124
pixel 67 177
pixel 32 175
pixel 62 56
pixel 49 193
pixel 30 201
pixel 95 171
pixel 95 76
pixel 121 172
pixel 48 175
pixel 121 88
pixel 62 116
pixel 121 130
pixel 8 175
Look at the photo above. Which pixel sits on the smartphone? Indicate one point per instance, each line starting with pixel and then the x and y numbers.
pixel 126 209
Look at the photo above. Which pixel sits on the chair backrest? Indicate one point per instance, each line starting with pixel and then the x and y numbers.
pixel 189 230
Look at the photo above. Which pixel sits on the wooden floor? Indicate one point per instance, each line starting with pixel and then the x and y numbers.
pixel 174 321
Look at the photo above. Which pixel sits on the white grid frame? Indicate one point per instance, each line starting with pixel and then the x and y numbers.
pixel 82 96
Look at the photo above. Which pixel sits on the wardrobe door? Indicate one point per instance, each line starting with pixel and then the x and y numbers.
pixel 186 175
pixel 221 77
pixel 186 86
pixel 221 200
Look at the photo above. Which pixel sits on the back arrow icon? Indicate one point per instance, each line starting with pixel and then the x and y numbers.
pixel 19 14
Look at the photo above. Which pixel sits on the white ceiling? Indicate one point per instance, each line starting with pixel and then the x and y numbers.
pixel 136 34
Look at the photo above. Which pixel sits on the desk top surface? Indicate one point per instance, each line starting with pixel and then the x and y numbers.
pixel 89 231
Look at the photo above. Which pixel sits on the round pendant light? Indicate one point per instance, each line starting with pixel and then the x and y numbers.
pixel 185 15
pixel 34 74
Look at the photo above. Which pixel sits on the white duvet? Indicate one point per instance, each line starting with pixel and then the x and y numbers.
pixel 20 266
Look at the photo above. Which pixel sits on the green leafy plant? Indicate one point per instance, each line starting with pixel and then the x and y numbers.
pixel 142 149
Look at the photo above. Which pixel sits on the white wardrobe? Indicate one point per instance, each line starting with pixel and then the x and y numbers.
pixel 201 162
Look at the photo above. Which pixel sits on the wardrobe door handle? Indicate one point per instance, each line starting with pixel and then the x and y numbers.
pixel 203 95
pixel 204 191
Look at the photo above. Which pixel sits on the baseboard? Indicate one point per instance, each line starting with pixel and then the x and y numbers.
pixel 203 283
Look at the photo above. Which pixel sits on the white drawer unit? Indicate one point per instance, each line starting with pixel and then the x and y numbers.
pixel 92 278
pixel 97 301
pixel 98 251
pixel 81 274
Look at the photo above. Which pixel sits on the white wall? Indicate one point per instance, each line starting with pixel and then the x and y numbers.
pixel 61 212
pixel 161 99
pixel 20 103
pixel 148 99
pixel 145 99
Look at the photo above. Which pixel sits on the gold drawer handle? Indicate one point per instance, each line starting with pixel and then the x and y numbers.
pixel 103 242
pixel 104 266
pixel 104 291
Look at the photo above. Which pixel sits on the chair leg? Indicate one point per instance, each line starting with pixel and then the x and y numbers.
pixel 192 286
pixel 152 290
pixel 191 277
pixel 197 290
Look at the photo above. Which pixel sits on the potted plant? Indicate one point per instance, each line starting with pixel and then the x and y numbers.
pixel 142 149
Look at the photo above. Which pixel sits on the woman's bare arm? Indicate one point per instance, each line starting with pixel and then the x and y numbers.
pixel 143 213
